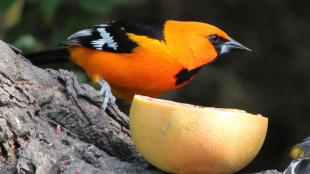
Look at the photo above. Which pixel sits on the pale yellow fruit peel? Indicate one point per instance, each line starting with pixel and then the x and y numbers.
pixel 182 138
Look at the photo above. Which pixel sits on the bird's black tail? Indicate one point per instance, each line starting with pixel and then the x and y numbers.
pixel 48 57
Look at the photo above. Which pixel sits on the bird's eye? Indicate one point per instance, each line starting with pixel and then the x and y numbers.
pixel 214 38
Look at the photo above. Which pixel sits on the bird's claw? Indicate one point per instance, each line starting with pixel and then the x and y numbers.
pixel 105 91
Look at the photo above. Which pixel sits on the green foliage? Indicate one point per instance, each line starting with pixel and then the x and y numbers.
pixel 5 4
pixel 99 6
pixel 33 24
pixel 12 11
pixel 48 9
pixel 28 43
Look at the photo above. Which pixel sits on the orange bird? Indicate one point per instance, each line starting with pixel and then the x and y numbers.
pixel 142 57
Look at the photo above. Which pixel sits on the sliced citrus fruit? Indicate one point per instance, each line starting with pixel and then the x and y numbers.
pixel 183 138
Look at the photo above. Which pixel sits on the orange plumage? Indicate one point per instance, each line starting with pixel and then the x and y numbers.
pixel 157 61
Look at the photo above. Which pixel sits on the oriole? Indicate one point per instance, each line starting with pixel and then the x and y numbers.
pixel 143 57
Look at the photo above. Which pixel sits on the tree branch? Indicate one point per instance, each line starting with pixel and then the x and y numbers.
pixel 33 101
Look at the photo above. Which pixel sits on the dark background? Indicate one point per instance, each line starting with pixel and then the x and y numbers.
pixel 273 80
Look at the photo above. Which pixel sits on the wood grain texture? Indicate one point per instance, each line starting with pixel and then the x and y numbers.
pixel 34 101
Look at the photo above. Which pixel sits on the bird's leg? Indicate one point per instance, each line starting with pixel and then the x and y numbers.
pixel 105 91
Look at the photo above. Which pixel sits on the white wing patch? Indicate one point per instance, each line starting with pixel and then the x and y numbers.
pixel 106 38
pixel 82 33
pixel 96 37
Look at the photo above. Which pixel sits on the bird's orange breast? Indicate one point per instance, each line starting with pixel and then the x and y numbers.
pixel 144 72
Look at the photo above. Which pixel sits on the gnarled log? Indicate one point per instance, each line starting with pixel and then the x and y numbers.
pixel 34 101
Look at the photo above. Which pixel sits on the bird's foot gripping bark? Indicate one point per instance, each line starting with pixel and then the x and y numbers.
pixel 105 91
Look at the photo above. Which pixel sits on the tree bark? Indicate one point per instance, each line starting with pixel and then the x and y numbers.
pixel 50 123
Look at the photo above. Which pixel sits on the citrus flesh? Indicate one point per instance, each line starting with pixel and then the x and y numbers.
pixel 183 138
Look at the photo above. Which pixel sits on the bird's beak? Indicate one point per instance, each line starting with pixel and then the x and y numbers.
pixel 231 44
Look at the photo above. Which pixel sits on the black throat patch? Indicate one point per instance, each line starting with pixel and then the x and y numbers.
pixel 184 75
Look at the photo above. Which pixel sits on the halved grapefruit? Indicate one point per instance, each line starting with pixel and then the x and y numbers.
pixel 183 138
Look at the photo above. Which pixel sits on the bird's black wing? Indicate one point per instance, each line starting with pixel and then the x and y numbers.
pixel 112 36
pixel 150 28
